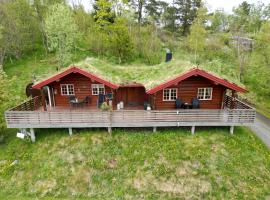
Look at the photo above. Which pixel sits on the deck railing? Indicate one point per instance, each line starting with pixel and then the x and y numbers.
pixel 29 105
pixel 27 115
pixel 234 103
pixel 129 118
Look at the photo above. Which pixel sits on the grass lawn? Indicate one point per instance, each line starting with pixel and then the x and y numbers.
pixel 136 164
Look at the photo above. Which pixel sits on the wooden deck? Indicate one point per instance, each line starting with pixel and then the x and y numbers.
pixel 28 115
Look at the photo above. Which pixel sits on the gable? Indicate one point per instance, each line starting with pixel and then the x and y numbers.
pixel 70 71
pixel 197 72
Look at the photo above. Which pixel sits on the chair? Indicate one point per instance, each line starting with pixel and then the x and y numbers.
pixel 72 100
pixel 145 104
pixel 101 99
pixel 195 103
pixel 178 103
pixel 109 96
pixel 85 101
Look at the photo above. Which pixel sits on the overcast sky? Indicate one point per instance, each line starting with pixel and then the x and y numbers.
pixel 212 5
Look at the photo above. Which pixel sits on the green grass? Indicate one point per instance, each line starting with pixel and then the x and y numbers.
pixel 136 164
pixel 149 76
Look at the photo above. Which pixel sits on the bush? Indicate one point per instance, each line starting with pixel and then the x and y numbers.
pixel 106 107
pixel 148 46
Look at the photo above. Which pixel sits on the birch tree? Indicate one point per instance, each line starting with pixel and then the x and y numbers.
pixel 197 36
pixel 62 32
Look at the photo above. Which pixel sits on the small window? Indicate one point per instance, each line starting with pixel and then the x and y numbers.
pixel 67 89
pixel 205 93
pixel 170 94
pixel 98 89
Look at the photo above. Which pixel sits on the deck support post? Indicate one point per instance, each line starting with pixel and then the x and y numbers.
pixel 154 129
pixel 32 135
pixel 70 131
pixel 110 130
pixel 231 130
pixel 193 130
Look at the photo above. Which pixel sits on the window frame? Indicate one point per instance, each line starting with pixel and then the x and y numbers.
pixel 204 93
pixel 170 94
pixel 98 88
pixel 66 85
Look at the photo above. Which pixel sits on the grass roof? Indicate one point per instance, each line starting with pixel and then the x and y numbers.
pixel 149 76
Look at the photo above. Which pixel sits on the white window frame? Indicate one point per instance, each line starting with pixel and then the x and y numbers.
pixel 204 93
pixel 98 86
pixel 170 94
pixel 66 85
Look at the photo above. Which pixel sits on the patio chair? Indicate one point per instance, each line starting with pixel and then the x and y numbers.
pixel 145 104
pixel 101 99
pixel 85 101
pixel 178 103
pixel 72 100
pixel 195 103
pixel 109 96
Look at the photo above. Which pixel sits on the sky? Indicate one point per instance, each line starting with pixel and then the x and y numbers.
pixel 212 5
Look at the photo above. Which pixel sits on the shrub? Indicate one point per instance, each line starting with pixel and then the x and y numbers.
pixel 106 107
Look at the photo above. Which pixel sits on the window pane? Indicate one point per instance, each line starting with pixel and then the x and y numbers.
pixel 166 94
pixel 173 94
pixel 98 89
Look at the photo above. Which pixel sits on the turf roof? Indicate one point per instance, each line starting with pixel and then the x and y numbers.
pixel 149 76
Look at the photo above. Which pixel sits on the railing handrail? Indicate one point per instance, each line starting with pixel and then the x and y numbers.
pixel 26 101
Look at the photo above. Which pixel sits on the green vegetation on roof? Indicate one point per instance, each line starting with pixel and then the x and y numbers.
pixel 149 76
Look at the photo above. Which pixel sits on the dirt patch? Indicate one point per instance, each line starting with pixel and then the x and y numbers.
pixel 185 182
pixel 44 187
pixel 71 157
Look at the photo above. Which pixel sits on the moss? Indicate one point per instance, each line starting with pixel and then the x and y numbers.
pixel 149 76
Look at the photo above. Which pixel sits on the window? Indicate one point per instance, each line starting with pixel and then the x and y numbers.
pixel 98 89
pixel 170 94
pixel 204 93
pixel 67 89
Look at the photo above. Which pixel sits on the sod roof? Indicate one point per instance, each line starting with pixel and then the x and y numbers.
pixel 149 76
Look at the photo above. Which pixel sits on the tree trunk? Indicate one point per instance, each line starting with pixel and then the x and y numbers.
pixel 140 5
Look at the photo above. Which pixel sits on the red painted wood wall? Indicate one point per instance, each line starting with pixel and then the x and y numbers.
pixel 82 86
pixel 188 89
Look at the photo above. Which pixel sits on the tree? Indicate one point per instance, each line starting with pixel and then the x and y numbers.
pixel 186 13
pixel 61 31
pixel 219 21
pixel 103 14
pixel 20 33
pixel 247 17
pixel 262 45
pixel 151 8
pixel 41 8
pixel 120 42
pixel 168 17
pixel 196 38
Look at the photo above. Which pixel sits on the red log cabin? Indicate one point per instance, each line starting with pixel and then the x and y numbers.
pixel 79 88
pixel 77 98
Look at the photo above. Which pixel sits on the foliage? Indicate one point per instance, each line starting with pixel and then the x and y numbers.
pixel 5 98
pixel 103 14
pixel 186 12
pixel 219 21
pixel 148 46
pixel 62 32
pixel 197 34
pixel 105 107
pixel 120 43
pixel 19 29
pixel 260 62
